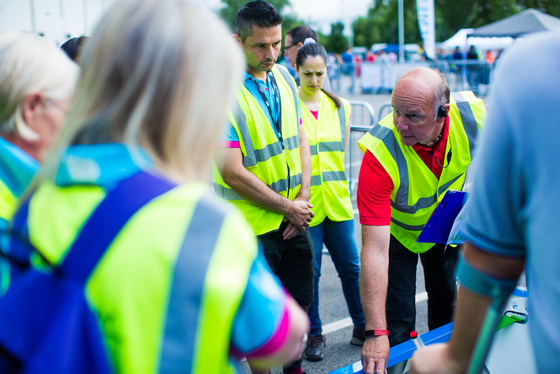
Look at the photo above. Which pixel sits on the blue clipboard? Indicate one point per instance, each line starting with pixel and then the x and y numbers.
pixel 441 221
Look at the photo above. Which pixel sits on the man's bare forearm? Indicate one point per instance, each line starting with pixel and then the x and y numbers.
pixel 252 189
pixel 374 274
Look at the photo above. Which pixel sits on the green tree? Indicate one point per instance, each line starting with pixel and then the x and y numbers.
pixel 452 15
pixel 551 7
pixel 381 23
pixel 336 42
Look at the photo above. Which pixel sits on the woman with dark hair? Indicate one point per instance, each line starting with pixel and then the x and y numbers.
pixel 326 121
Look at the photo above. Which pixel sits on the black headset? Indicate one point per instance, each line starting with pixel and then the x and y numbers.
pixel 442 112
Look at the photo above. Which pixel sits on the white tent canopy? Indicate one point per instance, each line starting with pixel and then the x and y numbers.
pixel 482 43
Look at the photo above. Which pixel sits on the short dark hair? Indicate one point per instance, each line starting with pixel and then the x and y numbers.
pixel 73 47
pixel 302 32
pixel 258 13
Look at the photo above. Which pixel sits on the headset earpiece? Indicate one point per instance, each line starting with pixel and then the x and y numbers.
pixel 442 112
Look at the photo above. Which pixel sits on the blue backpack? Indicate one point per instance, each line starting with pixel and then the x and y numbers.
pixel 46 322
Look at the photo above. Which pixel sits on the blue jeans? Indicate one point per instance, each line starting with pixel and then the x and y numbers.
pixel 339 239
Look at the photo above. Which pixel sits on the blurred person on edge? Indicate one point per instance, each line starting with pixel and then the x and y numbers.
pixel 183 286
pixel 326 121
pixel 36 84
pixel 73 48
pixel 266 170
pixel 513 210
pixel 412 157
pixel 294 41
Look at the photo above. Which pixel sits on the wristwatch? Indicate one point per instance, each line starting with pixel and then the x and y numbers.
pixel 370 333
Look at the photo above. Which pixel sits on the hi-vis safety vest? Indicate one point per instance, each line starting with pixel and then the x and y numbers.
pixel 330 195
pixel 170 284
pixel 417 191
pixel 8 202
pixel 277 165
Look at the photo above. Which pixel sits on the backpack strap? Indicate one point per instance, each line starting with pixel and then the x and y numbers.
pixel 19 247
pixel 108 219
pixel 104 224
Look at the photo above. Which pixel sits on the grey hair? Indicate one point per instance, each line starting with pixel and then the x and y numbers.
pixel 150 80
pixel 28 64
pixel 441 94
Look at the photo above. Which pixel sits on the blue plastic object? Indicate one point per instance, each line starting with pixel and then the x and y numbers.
pixel 405 350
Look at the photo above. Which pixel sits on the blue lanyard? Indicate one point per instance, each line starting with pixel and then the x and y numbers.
pixel 276 93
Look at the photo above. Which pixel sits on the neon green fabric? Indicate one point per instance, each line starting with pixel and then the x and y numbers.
pixel 130 286
pixel 8 202
pixel 330 194
pixel 416 190
pixel 277 165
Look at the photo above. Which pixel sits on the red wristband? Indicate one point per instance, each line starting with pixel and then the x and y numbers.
pixel 369 333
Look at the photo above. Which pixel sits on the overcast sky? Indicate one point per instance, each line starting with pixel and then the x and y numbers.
pixel 58 19
pixel 320 14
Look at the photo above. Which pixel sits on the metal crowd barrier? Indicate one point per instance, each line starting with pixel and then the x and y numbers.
pixel 362 120
pixel 380 77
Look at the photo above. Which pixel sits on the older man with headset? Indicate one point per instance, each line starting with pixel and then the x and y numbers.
pixel 412 157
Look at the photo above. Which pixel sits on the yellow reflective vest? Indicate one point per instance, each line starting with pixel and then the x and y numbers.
pixel 417 191
pixel 169 286
pixel 277 165
pixel 330 194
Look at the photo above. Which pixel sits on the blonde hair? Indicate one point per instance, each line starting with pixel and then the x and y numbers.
pixel 28 63
pixel 157 74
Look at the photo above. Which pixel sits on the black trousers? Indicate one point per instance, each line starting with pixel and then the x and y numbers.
pixel 439 278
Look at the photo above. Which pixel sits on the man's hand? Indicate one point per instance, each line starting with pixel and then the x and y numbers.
pixel 292 230
pixel 375 353
pixel 434 359
pixel 299 215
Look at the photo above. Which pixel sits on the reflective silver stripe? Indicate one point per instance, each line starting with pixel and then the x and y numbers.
pixel 388 138
pixel 468 119
pixel 267 152
pixel 331 147
pixel 292 143
pixel 250 159
pixel 282 184
pixel 186 295
pixel 278 186
pixel 401 200
pixel 226 193
pixel 334 176
pixel 342 121
pixel 448 184
pixel 295 180
pixel 423 202
pixel 289 80
pixel 313 150
pixel 315 180
pixel 326 147
pixel 407 227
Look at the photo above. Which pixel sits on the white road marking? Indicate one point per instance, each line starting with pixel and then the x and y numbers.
pixel 340 324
